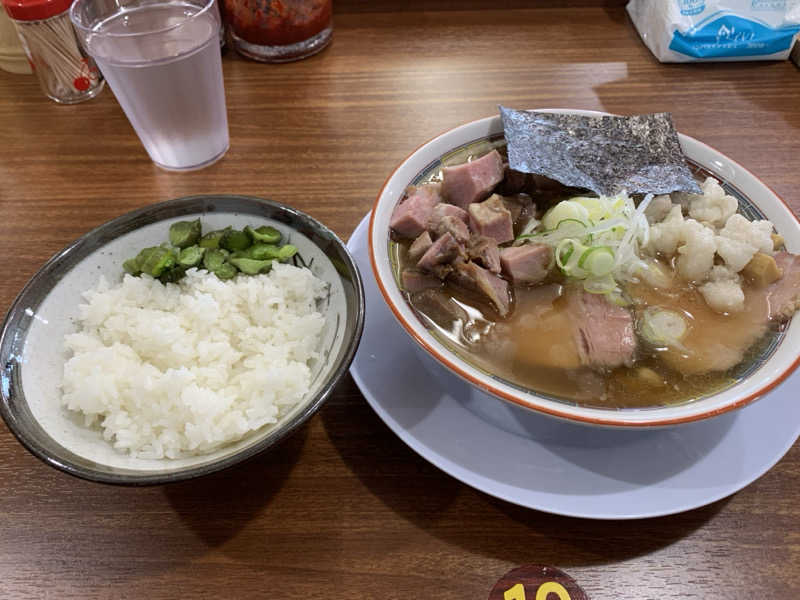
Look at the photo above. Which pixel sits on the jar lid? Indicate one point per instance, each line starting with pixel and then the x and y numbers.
pixel 35 10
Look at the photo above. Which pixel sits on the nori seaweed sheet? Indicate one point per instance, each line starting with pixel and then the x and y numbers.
pixel 640 154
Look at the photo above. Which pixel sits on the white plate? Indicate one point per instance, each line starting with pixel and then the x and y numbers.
pixel 539 462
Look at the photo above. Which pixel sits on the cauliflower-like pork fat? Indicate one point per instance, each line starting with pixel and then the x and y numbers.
pixel 714 206
pixel 740 239
pixel 696 254
pixel 723 290
pixel 698 239
pixel 658 209
pixel 735 253
pixel 666 235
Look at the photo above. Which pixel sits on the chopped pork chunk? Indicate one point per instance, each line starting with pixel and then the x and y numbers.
pixel 443 251
pixel 419 246
pixel 416 281
pixel 410 217
pixel 473 181
pixel 491 218
pixel 492 286
pixel 485 251
pixel 526 264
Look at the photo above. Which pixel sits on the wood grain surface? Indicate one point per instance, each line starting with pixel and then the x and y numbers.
pixel 343 509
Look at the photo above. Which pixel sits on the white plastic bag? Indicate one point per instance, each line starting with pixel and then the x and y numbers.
pixel 713 30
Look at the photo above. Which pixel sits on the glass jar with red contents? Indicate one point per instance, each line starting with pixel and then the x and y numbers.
pixel 279 30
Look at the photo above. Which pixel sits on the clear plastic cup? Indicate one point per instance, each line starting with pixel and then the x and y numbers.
pixel 162 60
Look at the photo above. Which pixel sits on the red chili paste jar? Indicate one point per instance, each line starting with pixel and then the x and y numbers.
pixel 279 30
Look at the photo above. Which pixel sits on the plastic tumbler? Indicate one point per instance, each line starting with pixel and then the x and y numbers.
pixel 162 60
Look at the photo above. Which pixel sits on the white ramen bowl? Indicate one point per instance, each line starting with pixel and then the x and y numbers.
pixel 754 197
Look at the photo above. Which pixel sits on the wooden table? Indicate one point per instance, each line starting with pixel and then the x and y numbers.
pixel 344 509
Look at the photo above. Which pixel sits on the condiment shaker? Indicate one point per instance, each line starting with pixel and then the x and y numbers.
pixel 65 73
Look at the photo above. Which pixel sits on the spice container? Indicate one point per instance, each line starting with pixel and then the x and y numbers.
pixel 279 30
pixel 65 73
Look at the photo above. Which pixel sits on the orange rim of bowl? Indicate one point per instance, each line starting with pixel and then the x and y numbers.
pixel 455 368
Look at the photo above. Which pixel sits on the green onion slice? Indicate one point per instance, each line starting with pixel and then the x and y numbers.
pixel 597 260
pixel 601 285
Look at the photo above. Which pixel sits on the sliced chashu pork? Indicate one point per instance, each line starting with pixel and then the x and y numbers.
pixel 783 296
pixel 571 330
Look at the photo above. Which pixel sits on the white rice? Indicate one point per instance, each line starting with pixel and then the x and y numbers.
pixel 182 369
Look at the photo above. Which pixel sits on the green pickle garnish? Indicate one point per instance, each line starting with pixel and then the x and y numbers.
pixel 225 252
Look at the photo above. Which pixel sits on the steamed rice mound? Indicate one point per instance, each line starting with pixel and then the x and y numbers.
pixel 181 369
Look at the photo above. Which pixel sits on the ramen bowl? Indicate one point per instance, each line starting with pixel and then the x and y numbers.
pixel 756 201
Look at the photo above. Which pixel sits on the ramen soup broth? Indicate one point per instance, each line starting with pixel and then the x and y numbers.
pixel 533 347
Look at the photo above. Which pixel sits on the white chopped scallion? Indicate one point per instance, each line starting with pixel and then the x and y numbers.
pixel 597 240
